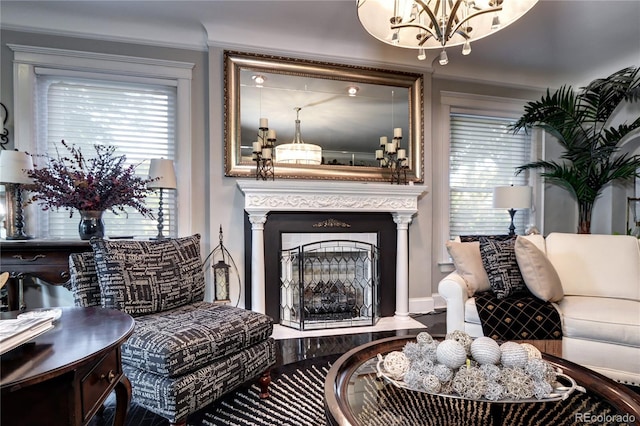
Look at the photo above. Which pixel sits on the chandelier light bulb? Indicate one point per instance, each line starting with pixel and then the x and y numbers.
pixel 466 49
pixel 444 59
pixel 395 37
pixel 422 55
pixel 495 23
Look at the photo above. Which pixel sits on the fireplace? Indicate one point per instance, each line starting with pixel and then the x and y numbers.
pixel 289 230
pixel 329 284
pixel 285 206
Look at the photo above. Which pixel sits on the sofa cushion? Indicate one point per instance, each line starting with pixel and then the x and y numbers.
pixel 596 265
pixel 468 263
pixel 538 273
pixel 601 319
pixel 83 282
pixel 181 340
pixel 471 311
pixel 499 260
pixel 144 277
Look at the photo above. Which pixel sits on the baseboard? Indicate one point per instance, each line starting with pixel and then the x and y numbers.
pixel 423 305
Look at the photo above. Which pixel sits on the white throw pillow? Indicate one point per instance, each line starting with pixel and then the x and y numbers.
pixel 538 273
pixel 468 263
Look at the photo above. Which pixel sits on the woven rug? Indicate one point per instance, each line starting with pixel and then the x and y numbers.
pixel 297 399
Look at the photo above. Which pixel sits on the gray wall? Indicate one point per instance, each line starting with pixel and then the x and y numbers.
pixel 219 202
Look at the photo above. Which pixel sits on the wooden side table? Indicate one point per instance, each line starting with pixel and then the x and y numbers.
pixel 64 376
pixel 44 259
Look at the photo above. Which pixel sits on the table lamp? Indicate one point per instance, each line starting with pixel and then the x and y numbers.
pixel 165 178
pixel 13 174
pixel 512 198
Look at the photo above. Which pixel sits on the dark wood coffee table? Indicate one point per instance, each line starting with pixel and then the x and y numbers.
pixel 63 376
pixel 354 396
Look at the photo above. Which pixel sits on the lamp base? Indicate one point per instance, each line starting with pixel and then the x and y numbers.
pixel 21 236
pixel 512 227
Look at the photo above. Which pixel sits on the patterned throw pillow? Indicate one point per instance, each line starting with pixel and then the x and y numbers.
pixel 499 260
pixel 144 277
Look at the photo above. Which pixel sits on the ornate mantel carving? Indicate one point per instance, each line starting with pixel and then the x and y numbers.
pixel 330 196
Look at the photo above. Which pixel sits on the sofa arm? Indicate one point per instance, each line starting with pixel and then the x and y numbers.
pixel 454 290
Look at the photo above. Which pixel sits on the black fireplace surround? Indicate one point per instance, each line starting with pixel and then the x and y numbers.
pixel 277 223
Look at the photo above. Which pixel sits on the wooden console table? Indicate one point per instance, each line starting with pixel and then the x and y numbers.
pixel 64 376
pixel 47 260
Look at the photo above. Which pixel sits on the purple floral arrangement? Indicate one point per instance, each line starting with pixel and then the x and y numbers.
pixel 103 182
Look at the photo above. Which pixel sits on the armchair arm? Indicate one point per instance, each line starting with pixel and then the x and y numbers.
pixel 454 290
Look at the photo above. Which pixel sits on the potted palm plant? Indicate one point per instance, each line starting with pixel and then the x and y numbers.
pixel 582 123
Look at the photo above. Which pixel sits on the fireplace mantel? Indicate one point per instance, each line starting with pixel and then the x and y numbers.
pixel 262 197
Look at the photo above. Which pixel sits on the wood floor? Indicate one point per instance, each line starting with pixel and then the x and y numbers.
pixel 293 350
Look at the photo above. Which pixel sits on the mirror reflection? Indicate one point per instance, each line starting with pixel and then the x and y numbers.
pixel 345 125
pixel 327 119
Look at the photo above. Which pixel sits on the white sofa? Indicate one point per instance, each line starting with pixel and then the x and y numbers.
pixel 600 310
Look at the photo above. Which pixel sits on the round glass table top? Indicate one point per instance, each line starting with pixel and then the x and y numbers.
pixel 355 395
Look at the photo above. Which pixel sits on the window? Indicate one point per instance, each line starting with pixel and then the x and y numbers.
pixel 138 119
pixel 483 154
pixel 148 105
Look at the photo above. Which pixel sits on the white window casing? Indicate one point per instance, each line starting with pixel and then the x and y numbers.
pixel 29 61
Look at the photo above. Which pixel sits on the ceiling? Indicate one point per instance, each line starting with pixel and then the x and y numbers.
pixel 557 42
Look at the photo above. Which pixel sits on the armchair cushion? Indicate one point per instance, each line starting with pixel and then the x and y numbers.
pixel 83 281
pixel 184 339
pixel 144 277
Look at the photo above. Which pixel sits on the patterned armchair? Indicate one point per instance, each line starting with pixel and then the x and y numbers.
pixel 184 353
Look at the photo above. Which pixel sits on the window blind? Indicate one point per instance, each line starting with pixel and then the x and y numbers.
pixel 138 119
pixel 483 154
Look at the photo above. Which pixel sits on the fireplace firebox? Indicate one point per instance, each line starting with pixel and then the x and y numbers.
pixel 329 284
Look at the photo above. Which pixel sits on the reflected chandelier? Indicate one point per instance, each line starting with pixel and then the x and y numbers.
pixel 438 24
pixel 298 152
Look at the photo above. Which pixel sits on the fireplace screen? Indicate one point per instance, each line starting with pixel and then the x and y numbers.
pixel 329 284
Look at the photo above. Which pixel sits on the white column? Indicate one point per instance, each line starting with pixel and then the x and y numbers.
pixel 257 220
pixel 402 221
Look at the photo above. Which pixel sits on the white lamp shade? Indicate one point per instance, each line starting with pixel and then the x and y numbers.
pixel 163 169
pixel 512 197
pixel 14 166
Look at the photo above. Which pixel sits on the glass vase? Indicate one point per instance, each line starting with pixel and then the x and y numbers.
pixel 91 224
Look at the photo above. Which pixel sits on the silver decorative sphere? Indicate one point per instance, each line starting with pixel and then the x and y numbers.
pixel 451 353
pixel 485 350
pixel 513 355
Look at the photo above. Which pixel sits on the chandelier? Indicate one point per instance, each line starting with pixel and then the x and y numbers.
pixel 437 24
pixel 298 152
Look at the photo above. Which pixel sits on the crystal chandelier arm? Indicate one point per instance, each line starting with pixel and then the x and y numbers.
pixel 450 29
pixel 473 15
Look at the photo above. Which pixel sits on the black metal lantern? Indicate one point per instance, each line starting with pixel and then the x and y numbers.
pixel 222 272
pixel 221 281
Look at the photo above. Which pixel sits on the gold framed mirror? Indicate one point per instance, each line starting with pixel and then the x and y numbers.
pixel 276 91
